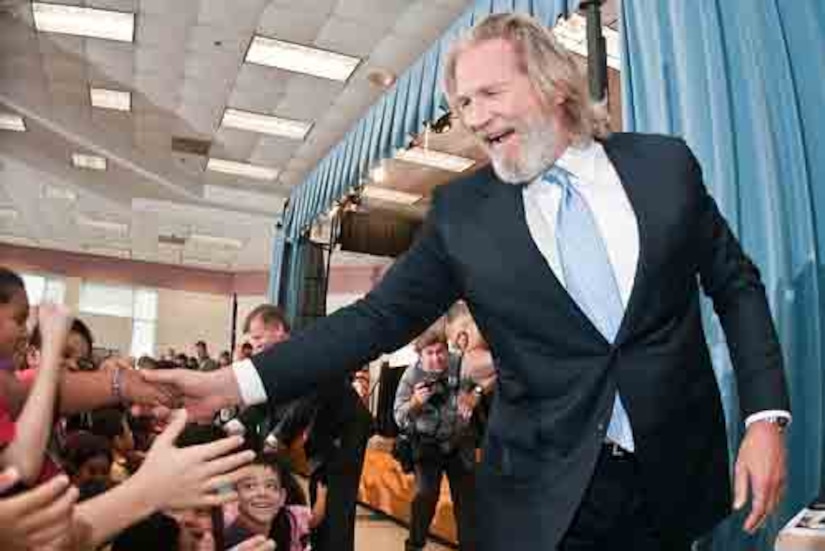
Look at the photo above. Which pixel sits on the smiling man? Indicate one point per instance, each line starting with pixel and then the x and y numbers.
pixel 581 258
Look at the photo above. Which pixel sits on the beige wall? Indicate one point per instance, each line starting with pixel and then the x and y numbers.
pixel 183 318
pixel 110 332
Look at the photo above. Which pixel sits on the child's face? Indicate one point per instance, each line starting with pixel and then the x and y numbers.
pixel 95 469
pixel 13 316
pixel 260 495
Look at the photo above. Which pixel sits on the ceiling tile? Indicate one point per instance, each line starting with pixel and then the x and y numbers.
pixel 130 6
pixel 170 29
pixel 258 101
pixel 322 6
pixel 274 151
pixel 233 144
pixel 210 40
pixel 56 44
pixel 114 59
pixel 349 36
pixel 156 92
pixel 372 10
pixel 235 14
pixel 64 70
pixel 397 52
pixel 307 98
pixel 423 20
pixel 162 60
pixel 294 24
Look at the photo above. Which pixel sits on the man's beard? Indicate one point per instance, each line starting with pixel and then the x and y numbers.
pixel 536 154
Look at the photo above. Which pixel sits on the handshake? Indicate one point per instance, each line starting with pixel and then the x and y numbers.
pixel 202 394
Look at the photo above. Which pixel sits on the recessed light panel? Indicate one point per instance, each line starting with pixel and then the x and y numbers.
pixel 80 21
pixel 301 59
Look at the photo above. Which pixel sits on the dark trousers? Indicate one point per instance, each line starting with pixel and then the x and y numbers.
pixel 341 472
pixel 614 515
pixel 459 467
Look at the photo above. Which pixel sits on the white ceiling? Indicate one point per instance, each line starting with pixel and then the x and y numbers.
pixel 183 69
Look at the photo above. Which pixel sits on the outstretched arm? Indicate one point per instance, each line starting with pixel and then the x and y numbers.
pixel 733 282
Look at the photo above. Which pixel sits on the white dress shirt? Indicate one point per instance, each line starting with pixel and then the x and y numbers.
pixel 600 186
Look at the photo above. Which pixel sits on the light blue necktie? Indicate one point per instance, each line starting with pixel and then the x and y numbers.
pixel 589 279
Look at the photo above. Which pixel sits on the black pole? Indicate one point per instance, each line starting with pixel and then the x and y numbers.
pixel 233 336
pixel 596 50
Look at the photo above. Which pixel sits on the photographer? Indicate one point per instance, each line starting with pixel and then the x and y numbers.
pixel 427 411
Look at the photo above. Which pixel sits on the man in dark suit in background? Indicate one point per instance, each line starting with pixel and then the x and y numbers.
pixel 336 426
pixel 580 258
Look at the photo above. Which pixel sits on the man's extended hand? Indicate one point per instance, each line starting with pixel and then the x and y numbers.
pixel 203 393
pixel 761 466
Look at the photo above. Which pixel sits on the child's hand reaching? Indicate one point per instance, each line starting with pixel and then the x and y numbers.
pixel 36 518
pixel 53 321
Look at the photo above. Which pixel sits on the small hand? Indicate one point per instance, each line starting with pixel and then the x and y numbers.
pixel 53 321
pixel 203 393
pixel 467 402
pixel 183 478
pixel 760 466
pixel 36 518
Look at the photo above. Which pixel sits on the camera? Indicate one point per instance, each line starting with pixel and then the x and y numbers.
pixel 436 383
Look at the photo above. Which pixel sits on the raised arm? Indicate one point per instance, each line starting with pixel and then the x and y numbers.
pixel 33 426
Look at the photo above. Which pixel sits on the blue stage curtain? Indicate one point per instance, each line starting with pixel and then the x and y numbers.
pixel 741 81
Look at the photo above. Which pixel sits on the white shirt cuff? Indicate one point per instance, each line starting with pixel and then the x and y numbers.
pixel 250 383
pixel 759 415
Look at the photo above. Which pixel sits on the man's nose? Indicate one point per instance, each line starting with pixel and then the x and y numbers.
pixel 476 116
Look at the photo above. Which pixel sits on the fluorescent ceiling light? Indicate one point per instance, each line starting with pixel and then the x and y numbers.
pixel 18 240
pixel 207 264
pixel 301 59
pixel 79 21
pixel 434 159
pixel 109 251
pixel 104 225
pixel 8 213
pixel 55 192
pixel 572 33
pixel 92 162
pixel 265 124
pixel 213 240
pixel 391 195
pixel 10 121
pixel 247 170
pixel 111 99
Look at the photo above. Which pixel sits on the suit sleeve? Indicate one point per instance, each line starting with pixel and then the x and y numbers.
pixel 419 287
pixel 734 285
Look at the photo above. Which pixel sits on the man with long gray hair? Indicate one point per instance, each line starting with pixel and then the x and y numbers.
pixel 581 259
